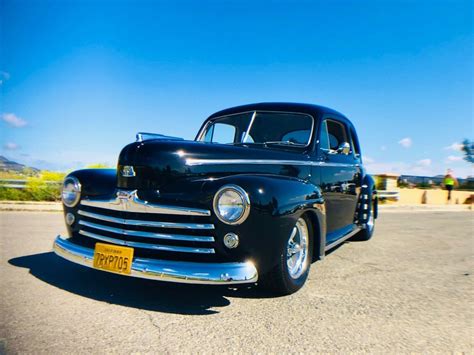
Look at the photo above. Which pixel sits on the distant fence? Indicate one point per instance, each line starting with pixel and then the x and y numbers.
pixel 21 184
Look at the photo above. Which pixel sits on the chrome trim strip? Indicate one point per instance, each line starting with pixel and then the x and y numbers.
pixel 136 222
pixel 148 245
pixel 187 238
pixel 193 162
pixel 166 270
pixel 130 202
pixel 343 239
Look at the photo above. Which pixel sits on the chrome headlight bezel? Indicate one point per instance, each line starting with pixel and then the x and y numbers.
pixel 73 182
pixel 244 199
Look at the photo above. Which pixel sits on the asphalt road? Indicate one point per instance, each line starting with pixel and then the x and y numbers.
pixel 409 289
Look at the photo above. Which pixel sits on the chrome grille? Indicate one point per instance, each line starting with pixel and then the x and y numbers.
pixel 148 245
pixel 135 222
pixel 132 222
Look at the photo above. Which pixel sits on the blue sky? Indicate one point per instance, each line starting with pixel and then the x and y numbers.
pixel 80 78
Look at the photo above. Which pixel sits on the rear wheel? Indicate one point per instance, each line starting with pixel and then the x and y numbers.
pixel 291 272
pixel 368 217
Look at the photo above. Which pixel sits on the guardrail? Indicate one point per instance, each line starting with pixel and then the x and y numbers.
pixel 388 195
pixel 21 184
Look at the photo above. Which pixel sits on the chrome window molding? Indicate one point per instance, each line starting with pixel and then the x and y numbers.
pixel 129 201
pixel 313 125
pixel 133 233
pixel 136 222
pixel 147 245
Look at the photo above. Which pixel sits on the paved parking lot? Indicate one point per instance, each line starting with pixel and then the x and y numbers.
pixel 410 289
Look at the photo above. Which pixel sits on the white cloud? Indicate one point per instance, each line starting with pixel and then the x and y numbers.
pixel 405 142
pixel 423 163
pixel 11 146
pixel 455 146
pixel 452 158
pixel 13 120
pixel 4 76
pixel 386 167
pixel 422 167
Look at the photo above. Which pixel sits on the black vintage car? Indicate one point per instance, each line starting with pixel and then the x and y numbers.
pixel 262 192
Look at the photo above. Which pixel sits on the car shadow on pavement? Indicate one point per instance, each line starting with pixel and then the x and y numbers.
pixel 132 292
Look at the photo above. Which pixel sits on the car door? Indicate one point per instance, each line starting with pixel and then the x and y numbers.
pixel 340 176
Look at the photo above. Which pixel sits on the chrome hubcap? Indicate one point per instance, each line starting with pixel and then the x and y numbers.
pixel 370 222
pixel 297 249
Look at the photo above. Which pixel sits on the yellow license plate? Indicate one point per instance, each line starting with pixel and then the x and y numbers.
pixel 113 258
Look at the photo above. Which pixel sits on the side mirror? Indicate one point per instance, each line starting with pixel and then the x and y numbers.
pixel 344 148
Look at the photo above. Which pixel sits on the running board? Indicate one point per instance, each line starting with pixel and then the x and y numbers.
pixel 343 239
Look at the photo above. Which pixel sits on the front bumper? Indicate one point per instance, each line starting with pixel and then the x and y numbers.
pixel 166 270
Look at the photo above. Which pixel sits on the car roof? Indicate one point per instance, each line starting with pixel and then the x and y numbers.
pixel 314 110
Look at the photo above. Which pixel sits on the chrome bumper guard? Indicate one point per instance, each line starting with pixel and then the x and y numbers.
pixel 167 270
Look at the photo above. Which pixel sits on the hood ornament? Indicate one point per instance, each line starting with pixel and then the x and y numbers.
pixel 123 196
pixel 127 171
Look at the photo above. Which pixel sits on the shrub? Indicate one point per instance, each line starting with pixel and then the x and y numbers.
pixel 9 194
pixel 45 187
pixel 99 166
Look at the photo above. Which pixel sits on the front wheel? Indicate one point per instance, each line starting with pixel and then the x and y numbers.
pixel 292 270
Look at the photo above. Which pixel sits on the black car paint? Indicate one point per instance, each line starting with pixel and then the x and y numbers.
pixel 290 182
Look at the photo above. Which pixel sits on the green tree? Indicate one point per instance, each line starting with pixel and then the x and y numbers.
pixel 99 166
pixel 468 149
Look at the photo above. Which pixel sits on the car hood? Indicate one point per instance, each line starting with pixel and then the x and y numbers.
pixel 158 163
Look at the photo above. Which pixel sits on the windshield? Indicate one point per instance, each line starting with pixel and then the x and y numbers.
pixel 256 127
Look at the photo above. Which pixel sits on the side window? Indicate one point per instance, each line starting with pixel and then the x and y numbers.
pixel 336 134
pixel 222 133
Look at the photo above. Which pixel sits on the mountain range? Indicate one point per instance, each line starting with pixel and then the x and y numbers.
pixel 12 166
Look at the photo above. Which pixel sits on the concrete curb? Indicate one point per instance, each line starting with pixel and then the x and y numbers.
pixel 31 206
pixel 424 208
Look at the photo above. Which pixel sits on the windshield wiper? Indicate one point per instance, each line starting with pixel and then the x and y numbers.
pixel 284 143
pixel 248 143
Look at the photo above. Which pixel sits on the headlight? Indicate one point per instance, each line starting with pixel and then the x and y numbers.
pixel 71 192
pixel 231 204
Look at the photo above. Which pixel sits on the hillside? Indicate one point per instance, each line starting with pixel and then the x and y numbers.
pixel 7 165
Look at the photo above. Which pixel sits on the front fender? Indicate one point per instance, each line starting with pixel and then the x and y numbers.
pixel 94 182
pixel 275 205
